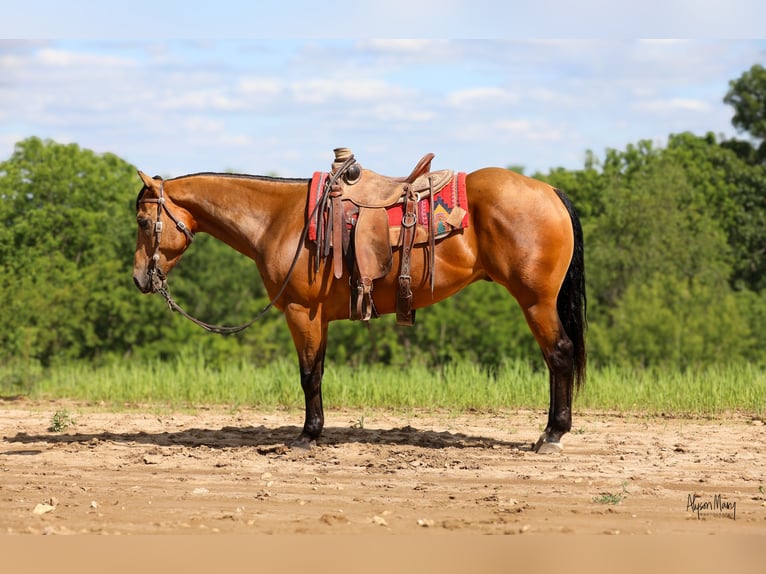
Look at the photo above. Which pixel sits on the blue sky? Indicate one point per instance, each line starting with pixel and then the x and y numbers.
pixel 174 96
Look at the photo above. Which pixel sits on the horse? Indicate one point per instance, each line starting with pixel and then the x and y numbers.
pixel 523 234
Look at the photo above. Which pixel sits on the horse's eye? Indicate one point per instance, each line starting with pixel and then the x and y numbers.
pixel 144 223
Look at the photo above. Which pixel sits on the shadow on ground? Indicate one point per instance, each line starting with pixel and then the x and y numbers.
pixel 268 439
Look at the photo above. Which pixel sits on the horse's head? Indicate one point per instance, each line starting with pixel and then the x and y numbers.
pixel 165 230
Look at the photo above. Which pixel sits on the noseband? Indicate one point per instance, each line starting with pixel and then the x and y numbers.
pixel 156 275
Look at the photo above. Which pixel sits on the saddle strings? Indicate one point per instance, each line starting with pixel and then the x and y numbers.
pixel 322 205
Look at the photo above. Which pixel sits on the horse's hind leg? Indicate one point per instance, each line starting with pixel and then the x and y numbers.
pixel 558 352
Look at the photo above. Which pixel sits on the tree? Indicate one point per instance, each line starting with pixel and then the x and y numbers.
pixel 63 252
pixel 673 241
pixel 747 94
pixel 669 322
pixel 733 192
pixel 66 250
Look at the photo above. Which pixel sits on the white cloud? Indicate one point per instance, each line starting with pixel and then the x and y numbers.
pixel 227 104
pixel 480 96
pixel 260 87
pixel 411 46
pixel 515 127
pixel 528 130
pixel 203 124
pixel 67 59
pixel 328 90
pixel 9 62
pixel 393 112
pixel 672 105
pixel 209 101
pixel 8 141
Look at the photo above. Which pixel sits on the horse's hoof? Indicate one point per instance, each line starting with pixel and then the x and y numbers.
pixel 303 443
pixel 544 446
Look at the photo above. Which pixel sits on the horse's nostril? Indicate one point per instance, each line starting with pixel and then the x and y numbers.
pixel 141 286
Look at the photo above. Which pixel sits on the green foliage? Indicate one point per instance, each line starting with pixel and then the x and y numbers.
pixel 190 380
pixel 731 191
pixel 612 497
pixel 747 95
pixel 61 420
pixel 481 324
pixel 674 253
pixel 66 247
pixel 690 324
pixel 674 247
pixel 65 253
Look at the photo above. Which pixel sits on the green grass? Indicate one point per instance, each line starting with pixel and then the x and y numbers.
pixel 612 497
pixel 188 381
pixel 705 391
pixel 61 420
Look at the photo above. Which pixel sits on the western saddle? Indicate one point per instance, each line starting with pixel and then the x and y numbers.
pixel 352 218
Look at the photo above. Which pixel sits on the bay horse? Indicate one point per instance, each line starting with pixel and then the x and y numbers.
pixel 523 234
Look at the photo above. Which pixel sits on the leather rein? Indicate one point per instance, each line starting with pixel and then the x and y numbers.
pixel 158 278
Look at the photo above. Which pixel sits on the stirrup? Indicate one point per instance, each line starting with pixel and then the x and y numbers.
pixel 361 306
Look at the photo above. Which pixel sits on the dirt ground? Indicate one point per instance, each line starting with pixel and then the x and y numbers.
pixel 416 473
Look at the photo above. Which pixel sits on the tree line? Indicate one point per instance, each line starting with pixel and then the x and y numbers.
pixel 675 249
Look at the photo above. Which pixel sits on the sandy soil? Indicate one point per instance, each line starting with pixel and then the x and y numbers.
pixel 417 473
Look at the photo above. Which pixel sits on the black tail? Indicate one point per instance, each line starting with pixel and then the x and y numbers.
pixel 572 304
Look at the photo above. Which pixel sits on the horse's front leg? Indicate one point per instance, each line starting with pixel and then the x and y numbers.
pixel 309 334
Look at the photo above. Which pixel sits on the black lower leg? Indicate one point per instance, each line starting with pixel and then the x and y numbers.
pixel 560 363
pixel 311 382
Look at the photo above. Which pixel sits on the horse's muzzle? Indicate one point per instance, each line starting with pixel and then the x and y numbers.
pixel 143 283
pixel 151 282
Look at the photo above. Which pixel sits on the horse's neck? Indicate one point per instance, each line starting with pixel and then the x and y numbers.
pixel 240 211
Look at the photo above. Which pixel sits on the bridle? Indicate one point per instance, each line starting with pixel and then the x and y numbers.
pixel 158 277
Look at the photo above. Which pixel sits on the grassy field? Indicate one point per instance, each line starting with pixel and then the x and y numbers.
pixel 189 382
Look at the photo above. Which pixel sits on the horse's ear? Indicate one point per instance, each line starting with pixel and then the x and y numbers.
pixel 148 181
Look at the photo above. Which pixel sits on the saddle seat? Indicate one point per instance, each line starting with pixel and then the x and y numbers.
pixel 377 191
